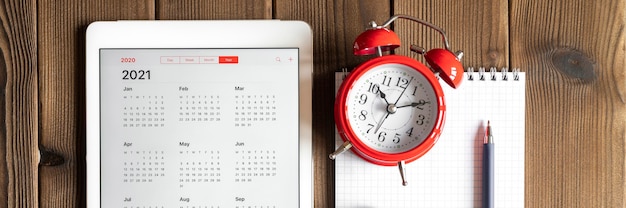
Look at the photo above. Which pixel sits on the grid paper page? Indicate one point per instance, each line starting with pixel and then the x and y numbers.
pixel 450 174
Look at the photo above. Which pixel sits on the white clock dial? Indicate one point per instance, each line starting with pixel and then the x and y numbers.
pixel 392 108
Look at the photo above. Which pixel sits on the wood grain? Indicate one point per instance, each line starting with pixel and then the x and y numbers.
pixel 573 52
pixel 61 26
pixel 335 25
pixel 215 10
pixel 18 76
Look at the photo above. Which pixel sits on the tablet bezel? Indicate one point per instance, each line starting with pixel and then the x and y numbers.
pixel 199 34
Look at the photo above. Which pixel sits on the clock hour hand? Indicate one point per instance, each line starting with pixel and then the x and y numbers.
pixel 383 95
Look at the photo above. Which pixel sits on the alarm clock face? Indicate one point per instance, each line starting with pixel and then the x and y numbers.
pixel 393 108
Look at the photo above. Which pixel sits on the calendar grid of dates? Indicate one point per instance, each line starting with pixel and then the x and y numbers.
pixel 252 109
pixel 149 111
pixel 195 164
pixel 199 135
pixel 199 108
pixel 197 168
pixel 143 111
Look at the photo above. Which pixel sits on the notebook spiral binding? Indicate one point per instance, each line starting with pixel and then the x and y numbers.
pixel 492 74
pixel 493 71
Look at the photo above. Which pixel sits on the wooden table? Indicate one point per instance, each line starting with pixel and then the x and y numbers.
pixel 573 52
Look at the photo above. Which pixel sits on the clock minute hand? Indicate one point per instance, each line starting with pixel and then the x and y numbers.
pixel 414 104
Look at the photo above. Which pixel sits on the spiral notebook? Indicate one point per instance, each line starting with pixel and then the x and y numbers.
pixel 449 175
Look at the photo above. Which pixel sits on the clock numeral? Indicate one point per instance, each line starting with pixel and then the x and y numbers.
pixel 374 88
pixel 396 138
pixel 381 136
pixel 363 115
pixel 403 83
pixel 420 119
pixel 409 132
pixel 371 126
pixel 386 81
pixel 363 99
pixel 414 90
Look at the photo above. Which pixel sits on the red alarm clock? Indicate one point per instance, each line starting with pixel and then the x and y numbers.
pixel 390 110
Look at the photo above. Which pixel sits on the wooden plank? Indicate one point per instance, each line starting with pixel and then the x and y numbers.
pixel 222 9
pixel 335 25
pixel 574 54
pixel 61 26
pixel 18 78
pixel 479 28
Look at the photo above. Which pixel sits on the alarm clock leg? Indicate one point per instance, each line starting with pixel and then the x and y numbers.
pixel 402 172
pixel 345 146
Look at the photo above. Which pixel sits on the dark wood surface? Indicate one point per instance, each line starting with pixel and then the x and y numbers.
pixel 573 53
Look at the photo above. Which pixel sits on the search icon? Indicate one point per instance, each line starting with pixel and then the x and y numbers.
pixel 278 59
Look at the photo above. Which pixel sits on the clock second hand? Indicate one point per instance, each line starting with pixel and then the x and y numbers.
pixel 381 123
pixel 400 96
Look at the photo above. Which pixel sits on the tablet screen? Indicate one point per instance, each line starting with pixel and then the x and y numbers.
pixel 199 127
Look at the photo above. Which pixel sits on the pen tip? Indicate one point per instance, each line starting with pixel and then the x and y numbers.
pixel 488 136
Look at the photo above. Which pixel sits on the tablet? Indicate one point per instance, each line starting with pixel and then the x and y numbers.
pixel 200 114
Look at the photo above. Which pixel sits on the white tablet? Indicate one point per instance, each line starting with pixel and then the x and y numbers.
pixel 201 114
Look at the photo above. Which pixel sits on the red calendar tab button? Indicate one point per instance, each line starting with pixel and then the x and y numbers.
pixel 229 59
